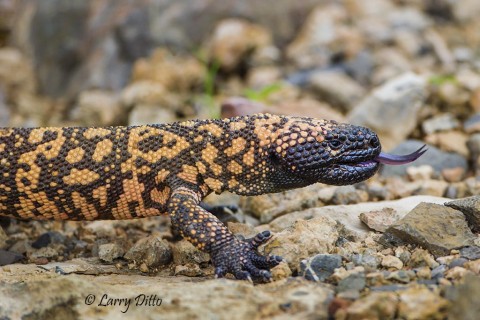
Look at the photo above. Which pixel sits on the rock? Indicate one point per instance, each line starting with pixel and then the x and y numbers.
pixel 110 251
pixel 402 276
pixel 348 215
pixel 450 141
pixel 423 273
pixel 337 89
pixel 437 159
pixel 68 294
pixel 270 206
pixel 436 188
pixel 353 282
pixel 148 93
pixel 392 109
pixel 86 54
pixel 453 174
pixel 3 239
pixel 392 262
pixel 349 195
pixel 47 238
pixel 472 124
pixel 312 48
pixel 281 271
pixel 303 239
pixel 9 257
pixel 185 253
pixel 99 108
pixel 403 254
pixel 473 266
pixel 473 145
pixel 434 227
pixel 234 40
pixel 421 303
pixel 464 302
pixel 263 76
pixel 161 70
pixel 320 267
pixel 457 263
pixel 368 261
pixel 439 272
pixel 379 220
pixel 423 172
pixel 456 274
pixel 377 305
pixel 152 250
pixel 470 207
pixel 470 253
pixel 145 114
pixel 45 252
pixel 443 122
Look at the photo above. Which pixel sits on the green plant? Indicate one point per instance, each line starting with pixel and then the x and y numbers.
pixel 211 72
pixel 262 94
pixel 440 79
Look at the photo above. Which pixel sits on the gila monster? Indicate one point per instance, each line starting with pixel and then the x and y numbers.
pixel 89 173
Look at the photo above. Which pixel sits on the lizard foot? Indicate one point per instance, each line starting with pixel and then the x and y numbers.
pixel 240 258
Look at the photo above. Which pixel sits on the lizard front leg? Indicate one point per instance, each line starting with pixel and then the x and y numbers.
pixel 228 253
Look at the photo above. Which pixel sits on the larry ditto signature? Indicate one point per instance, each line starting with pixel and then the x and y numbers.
pixel 141 300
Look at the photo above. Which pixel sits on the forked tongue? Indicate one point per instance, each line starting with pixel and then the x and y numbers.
pixel 392 159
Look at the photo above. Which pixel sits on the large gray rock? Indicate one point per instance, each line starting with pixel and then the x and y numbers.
pixel 470 207
pixel 434 227
pixel 348 216
pixel 392 109
pixel 434 157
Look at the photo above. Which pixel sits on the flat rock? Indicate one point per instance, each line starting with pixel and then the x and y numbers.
pixel 434 157
pixel 434 227
pixel 470 207
pixel 379 220
pixel 349 215
pixel 392 109
pixel 80 297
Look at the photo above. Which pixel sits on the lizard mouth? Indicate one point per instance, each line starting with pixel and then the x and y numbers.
pixel 362 168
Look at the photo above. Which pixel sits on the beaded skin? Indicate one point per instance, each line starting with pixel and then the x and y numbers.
pixel 88 173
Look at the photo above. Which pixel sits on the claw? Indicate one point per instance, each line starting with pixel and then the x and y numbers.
pixel 220 272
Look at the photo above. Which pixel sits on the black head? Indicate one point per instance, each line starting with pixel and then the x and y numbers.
pixel 307 151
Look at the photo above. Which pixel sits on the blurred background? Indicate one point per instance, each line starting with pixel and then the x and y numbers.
pixel 406 68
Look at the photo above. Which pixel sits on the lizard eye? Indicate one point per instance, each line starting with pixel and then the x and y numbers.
pixel 335 144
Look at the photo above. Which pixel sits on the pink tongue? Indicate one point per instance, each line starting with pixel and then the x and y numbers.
pixel 392 159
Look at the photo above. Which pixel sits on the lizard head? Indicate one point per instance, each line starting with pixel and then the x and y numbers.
pixel 309 151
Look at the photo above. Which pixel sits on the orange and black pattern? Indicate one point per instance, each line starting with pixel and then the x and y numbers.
pixel 131 172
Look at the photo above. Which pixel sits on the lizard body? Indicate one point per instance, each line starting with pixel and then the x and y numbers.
pixel 75 173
